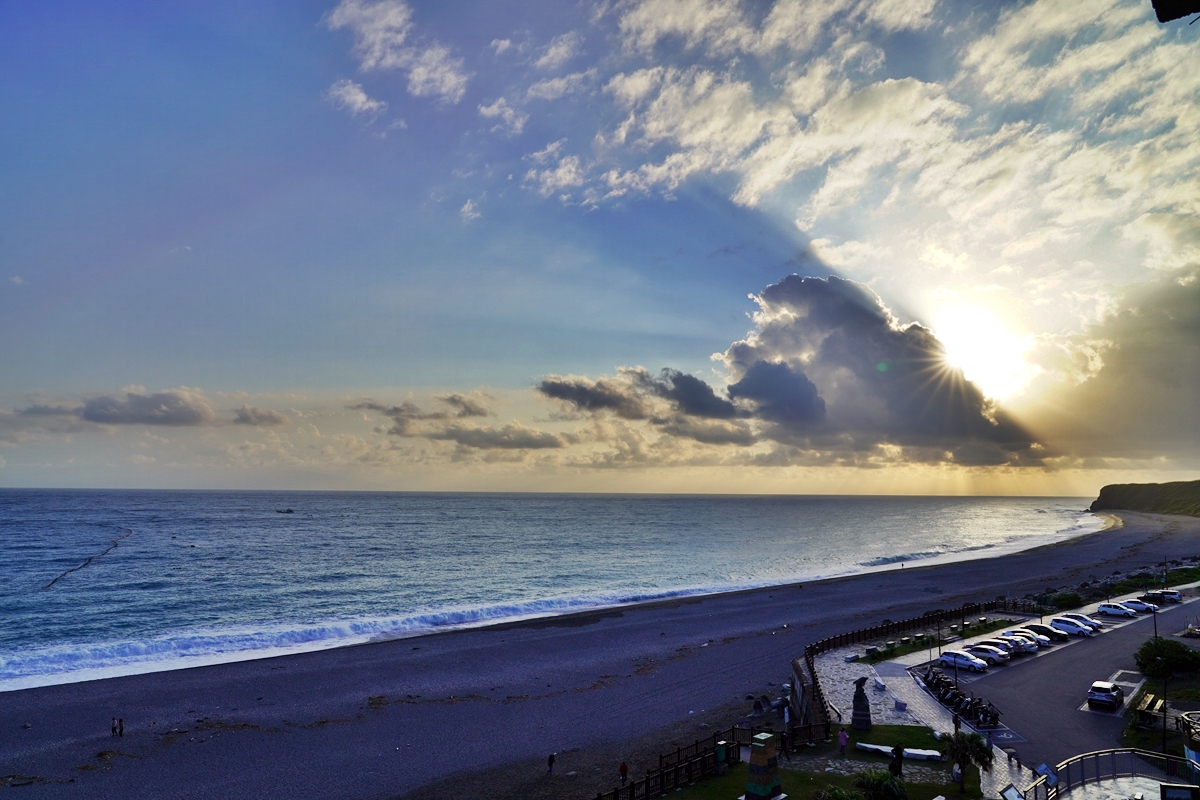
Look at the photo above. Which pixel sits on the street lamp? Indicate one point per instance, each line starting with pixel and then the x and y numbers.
pixel 1166 673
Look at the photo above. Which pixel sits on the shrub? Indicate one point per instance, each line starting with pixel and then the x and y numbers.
pixel 1065 600
pixel 1158 657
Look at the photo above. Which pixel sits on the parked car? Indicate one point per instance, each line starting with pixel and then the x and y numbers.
pixel 1007 645
pixel 1071 626
pixel 1027 636
pixel 1054 634
pixel 1115 610
pixel 1094 624
pixel 1016 644
pixel 963 660
pixel 1105 694
pixel 992 655
pixel 1139 605
pixel 1155 598
pixel 1171 595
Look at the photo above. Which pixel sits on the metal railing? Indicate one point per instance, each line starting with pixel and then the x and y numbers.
pixel 1106 765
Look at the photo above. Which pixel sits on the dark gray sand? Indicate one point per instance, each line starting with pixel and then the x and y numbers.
pixel 384 719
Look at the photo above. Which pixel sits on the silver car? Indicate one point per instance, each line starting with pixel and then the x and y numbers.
pixel 1094 624
pixel 992 655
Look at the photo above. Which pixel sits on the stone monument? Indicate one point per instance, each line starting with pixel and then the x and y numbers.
pixel 762 782
pixel 861 718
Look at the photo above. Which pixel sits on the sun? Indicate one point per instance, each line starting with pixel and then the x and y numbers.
pixel 990 355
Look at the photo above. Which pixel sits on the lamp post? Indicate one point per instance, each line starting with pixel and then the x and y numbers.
pixel 1166 673
pixel 1154 613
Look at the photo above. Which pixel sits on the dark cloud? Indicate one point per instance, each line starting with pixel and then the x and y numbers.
pixel 879 382
pixel 601 395
pixel 410 420
pixel 708 432
pixel 261 417
pixel 1137 392
pixel 406 413
pixel 506 437
pixel 780 394
pixel 175 407
pixel 693 396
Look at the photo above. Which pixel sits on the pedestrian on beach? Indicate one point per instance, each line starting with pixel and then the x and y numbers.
pixel 957 722
pixel 843 739
pixel 114 726
pixel 550 764
pixel 624 771
pixel 121 727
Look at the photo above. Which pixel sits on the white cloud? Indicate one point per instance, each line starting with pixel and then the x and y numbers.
pixel 548 152
pixel 469 211
pixel 569 173
pixel 17 280
pixel 554 88
pixel 560 50
pixel 382 41
pixel 349 96
pixel 501 45
pixel 512 121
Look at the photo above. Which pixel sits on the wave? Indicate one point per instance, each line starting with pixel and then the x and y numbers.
pixel 70 663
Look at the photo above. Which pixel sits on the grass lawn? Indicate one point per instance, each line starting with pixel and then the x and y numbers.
pixel 923 642
pixel 800 785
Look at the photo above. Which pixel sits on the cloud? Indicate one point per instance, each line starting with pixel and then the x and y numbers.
pixel 469 211
pixel 383 40
pixel 1131 381
pixel 410 421
pixel 554 88
pixel 174 407
pixel 501 45
pixel 350 97
pixel 512 121
pixel 879 381
pixel 567 174
pixel 17 280
pixel 827 375
pixel 598 395
pixel 260 417
pixel 780 394
pixel 560 50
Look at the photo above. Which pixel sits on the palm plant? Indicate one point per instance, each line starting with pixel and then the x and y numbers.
pixel 965 749
pixel 875 784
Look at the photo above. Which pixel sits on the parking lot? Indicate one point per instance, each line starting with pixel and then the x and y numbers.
pixel 1042 695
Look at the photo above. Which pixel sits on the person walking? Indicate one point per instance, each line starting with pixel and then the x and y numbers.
pixel 843 740
pixel 957 722
pixel 114 726
pixel 624 772
pixel 550 764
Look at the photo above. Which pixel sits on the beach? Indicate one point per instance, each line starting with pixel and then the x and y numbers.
pixel 484 707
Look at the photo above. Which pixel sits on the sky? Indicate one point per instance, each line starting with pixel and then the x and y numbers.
pixel 809 246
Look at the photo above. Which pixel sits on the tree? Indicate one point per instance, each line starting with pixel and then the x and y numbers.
pixel 1159 657
pixel 876 784
pixel 965 749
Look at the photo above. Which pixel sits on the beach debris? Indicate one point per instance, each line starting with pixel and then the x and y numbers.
pixel 27 725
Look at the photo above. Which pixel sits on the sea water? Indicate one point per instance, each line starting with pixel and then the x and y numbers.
pixel 102 583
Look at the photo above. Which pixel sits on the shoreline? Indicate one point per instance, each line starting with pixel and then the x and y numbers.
pixel 665 600
pixel 372 722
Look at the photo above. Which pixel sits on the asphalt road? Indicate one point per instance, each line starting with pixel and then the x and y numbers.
pixel 1040 698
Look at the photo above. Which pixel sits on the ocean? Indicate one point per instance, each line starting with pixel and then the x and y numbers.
pixel 102 583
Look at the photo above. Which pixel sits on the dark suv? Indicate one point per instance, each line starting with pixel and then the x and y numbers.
pixel 1054 634
pixel 1104 694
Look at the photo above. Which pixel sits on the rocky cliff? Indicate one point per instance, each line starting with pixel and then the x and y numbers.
pixel 1180 497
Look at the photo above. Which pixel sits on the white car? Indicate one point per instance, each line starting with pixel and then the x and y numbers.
pixel 992 655
pixel 1139 605
pixel 1016 644
pixel 1070 626
pixel 1007 645
pixel 1042 641
pixel 1115 610
pixel 952 658
pixel 1084 619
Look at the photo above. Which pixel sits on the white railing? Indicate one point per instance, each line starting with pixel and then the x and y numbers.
pixel 1103 765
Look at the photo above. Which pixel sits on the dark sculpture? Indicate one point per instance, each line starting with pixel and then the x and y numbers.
pixel 861 718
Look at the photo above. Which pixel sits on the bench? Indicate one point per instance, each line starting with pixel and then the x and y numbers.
pixel 1148 709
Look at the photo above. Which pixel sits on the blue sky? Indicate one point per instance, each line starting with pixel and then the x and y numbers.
pixel 323 211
